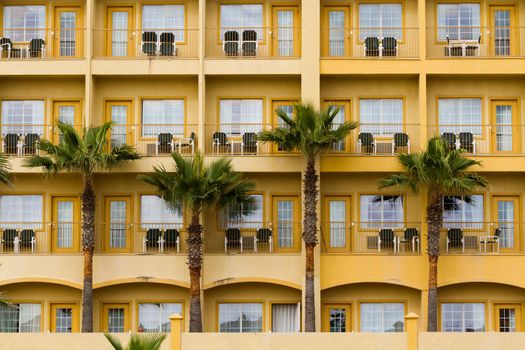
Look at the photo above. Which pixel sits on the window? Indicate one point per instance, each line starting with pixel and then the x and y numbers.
pixel 23 117
pixel 380 21
pixel 154 212
pixel 458 21
pixel 463 317
pixel 20 318
pixel 23 23
pixel 246 215
pixel 381 116
pixel 239 17
pixel 164 18
pixel 240 317
pixel 382 317
pixel 241 116
pixel 463 211
pixel 286 318
pixel 155 317
pixel 460 115
pixel 162 116
pixel 379 211
pixel 21 211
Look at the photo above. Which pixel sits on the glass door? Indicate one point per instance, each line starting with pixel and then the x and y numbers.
pixel 337 318
pixel 503 31
pixel 120 114
pixel 115 318
pixel 67 112
pixel 64 318
pixel 287 107
pixel 117 224
pixel 286 217
pixel 507 318
pixel 342 116
pixel 120 38
pixel 65 233
pixel 505 126
pixel 336 31
pixel 285 31
pixel 337 223
pixel 506 211
pixel 68 32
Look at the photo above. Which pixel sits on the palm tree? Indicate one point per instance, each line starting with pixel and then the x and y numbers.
pixel 310 132
pixel 198 186
pixel 440 171
pixel 83 154
pixel 6 176
pixel 151 341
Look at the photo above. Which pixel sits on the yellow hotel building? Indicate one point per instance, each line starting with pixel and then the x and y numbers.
pixel 207 75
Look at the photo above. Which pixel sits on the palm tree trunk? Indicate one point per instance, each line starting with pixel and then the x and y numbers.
pixel 435 223
pixel 195 265
pixel 88 245
pixel 310 239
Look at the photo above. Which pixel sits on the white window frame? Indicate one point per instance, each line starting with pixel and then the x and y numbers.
pixel 16 309
pixel 241 305
pixel 365 327
pixel 462 113
pixel 160 316
pixel 365 221
pixel 458 32
pixel 463 318
pixel 245 221
pixel 459 218
pixel 20 211
pixel 23 117
pixel 379 12
pixel 239 116
pixel 24 33
pixel 166 116
pixel 390 116
pixel 241 20
pixel 165 217
pixel 163 14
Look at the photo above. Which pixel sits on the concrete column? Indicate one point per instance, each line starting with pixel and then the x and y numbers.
pixel 176 330
pixel 411 330
pixel 310 51
pixel 421 19
pixel 424 310
pixel 88 45
pixel 201 83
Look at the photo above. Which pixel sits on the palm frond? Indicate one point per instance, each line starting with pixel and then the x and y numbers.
pixel 145 341
pixel 6 176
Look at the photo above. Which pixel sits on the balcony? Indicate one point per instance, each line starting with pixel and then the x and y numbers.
pixel 380 238
pixel 365 140
pixel 369 43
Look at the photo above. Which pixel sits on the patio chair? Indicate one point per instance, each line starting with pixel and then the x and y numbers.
pixel 31 144
pixel 36 48
pixel 187 143
pixel 411 237
pixel 400 141
pixel 492 240
pixel 371 46
pixel 450 140
pixel 386 239
pixel 149 43
pixel 8 240
pixel 152 240
pixel 249 43
pixel 172 240
pixel 455 239
pixel 220 140
pixel 472 49
pixel 389 46
pixel 164 143
pixel 230 44
pixel 263 236
pixel 454 48
pixel 249 143
pixel 12 144
pixel 232 239
pixel 5 45
pixel 167 44
pixel 366 143
pixel 467 142
pixel 27 240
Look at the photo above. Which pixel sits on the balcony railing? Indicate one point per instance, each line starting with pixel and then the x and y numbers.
pixel 252 237
pixel 147 44
pixel 35 44
pixel 503 237
pixel 502 139
pixel 369 43
pixel 371 237
pixel 471 42
pixel 253 42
